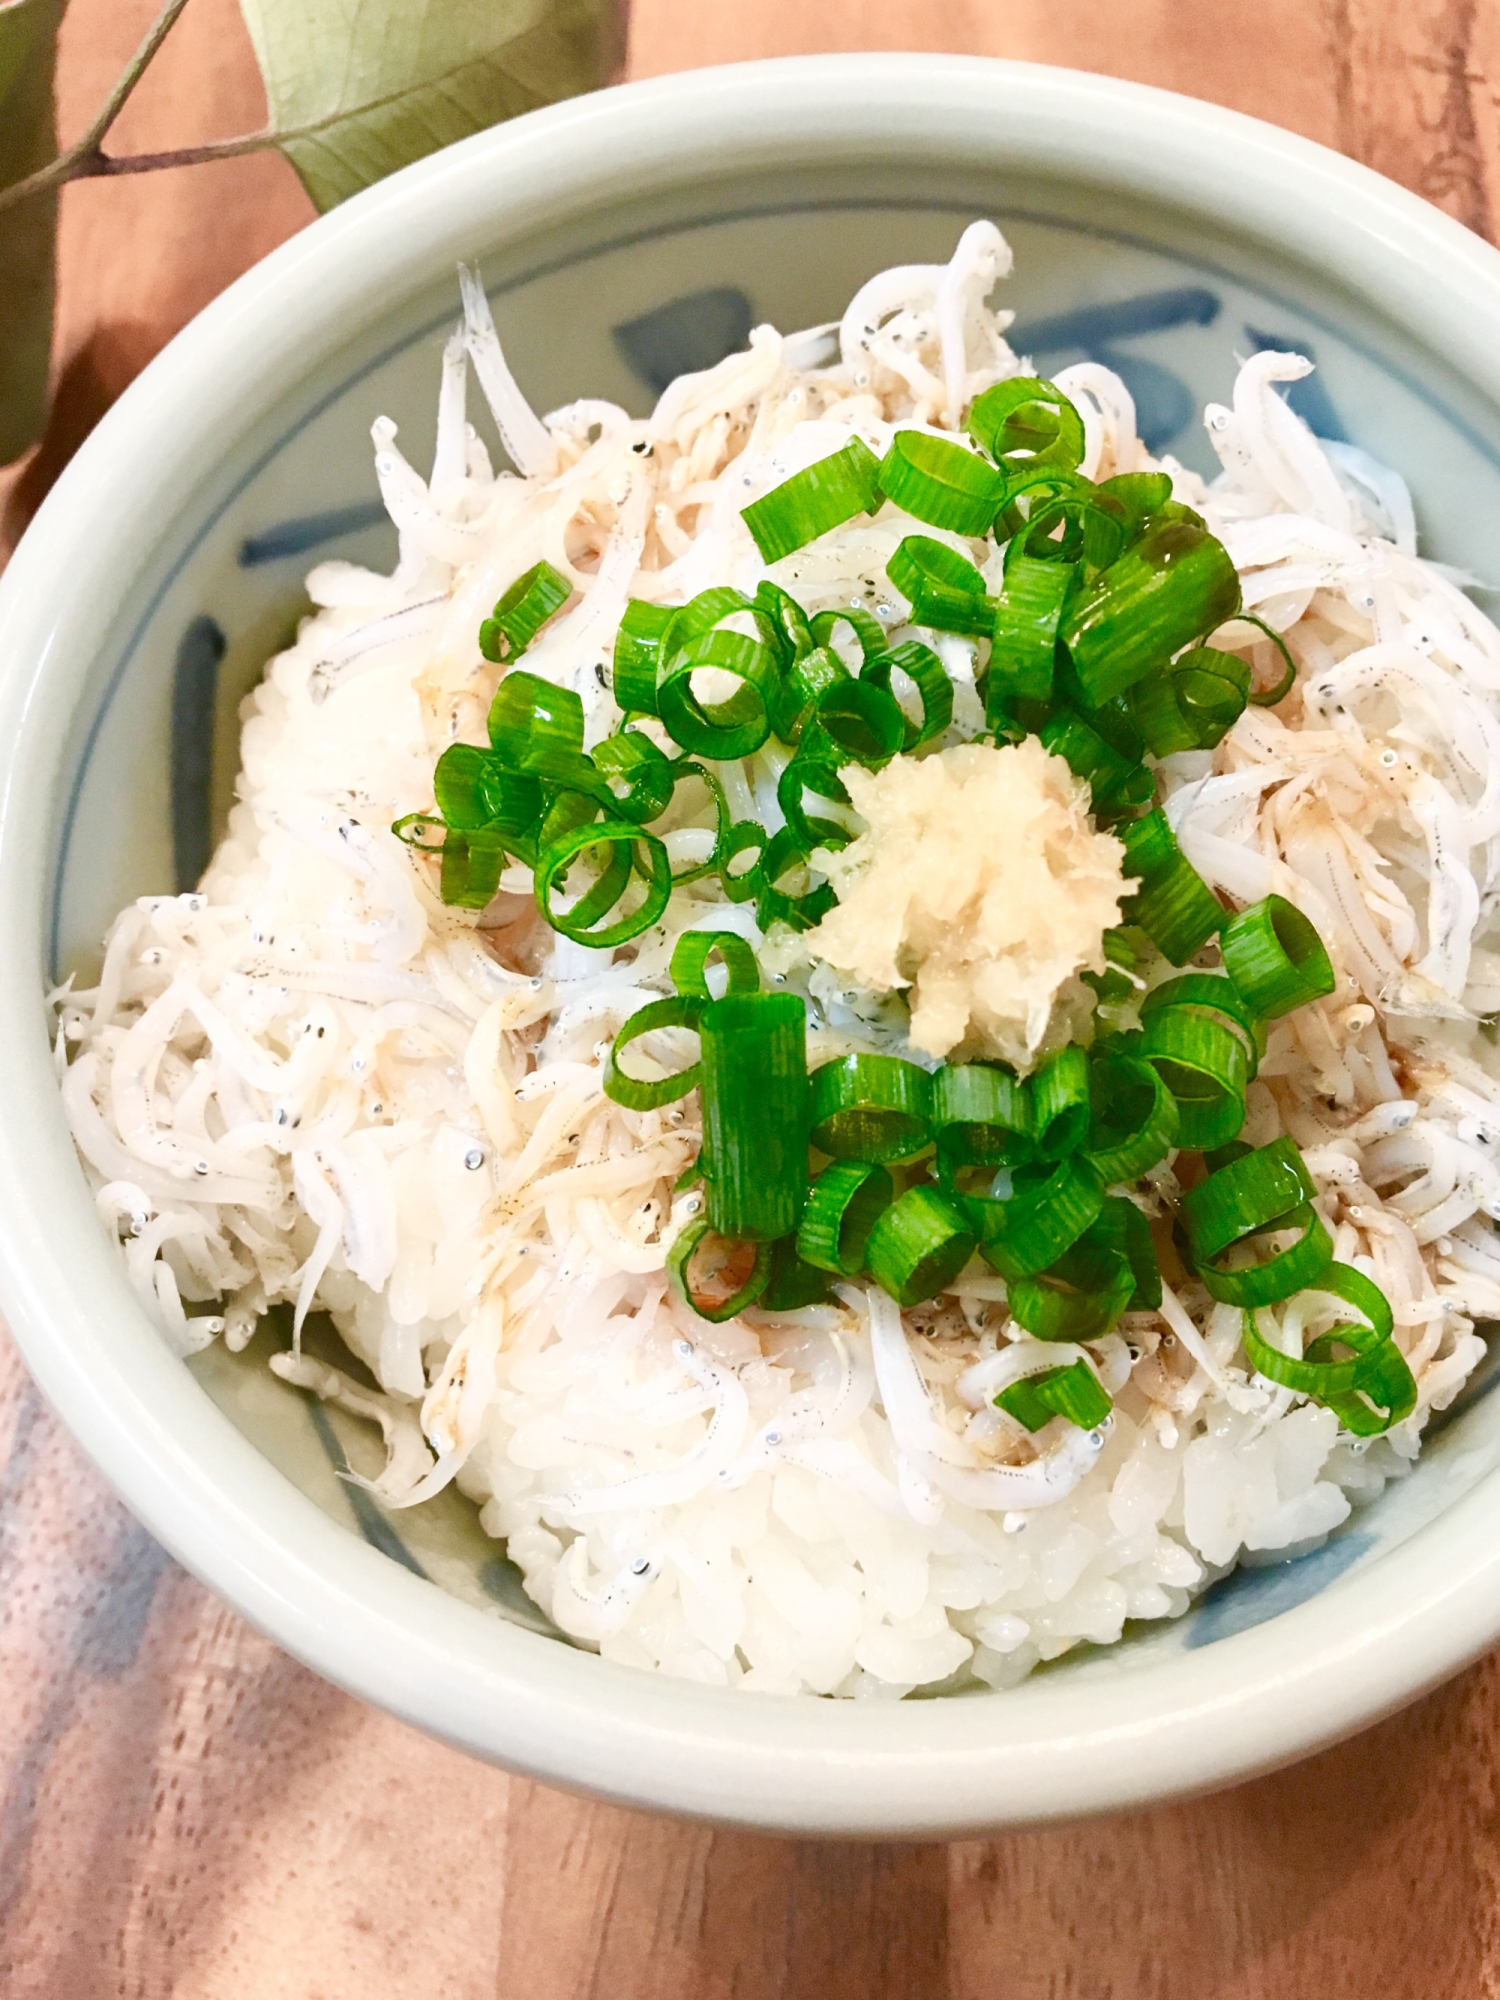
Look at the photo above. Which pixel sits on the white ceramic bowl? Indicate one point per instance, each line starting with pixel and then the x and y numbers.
pixel 624 237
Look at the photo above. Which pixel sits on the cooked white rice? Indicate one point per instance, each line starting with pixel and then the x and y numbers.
pixel 311 1082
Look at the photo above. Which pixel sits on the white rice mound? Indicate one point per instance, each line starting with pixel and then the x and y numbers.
pixel 311 1082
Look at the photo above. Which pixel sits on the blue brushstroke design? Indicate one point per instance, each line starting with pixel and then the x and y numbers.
pixel 195 687
pixel 1309 397
pixel 1163 401
pixel 1250 1597
pixel 686 335
pixel 1089 327
pixel 309 531
pixel 373 1525
pixel 503 1584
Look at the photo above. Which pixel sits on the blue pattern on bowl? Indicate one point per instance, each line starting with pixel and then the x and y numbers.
pixel 616 319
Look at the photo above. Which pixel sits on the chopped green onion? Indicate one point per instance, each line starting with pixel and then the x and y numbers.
pixel 812 501
pixel 622 840
pixel 1116 982
pixel 981 1114
pixel 744 1268
pixel 1268 697
pixel 640 777
pixel 1134 1117
pixel 866 627
pixel 1089 757
pixel 474 789
pixel 410 828
pixel 803 775
pixel 1024 625
pixel 1035 1227
pixel 1375 1373
pixel 811 675
pixel 791 630
pixel 1051 1309
pixel 873 1108
pixel 472 866
pixel 1123 1231
pixel 639 1093
pixel 1028 422
pixel 755 1112
pixel 522 611
pixel 1174 583
pixel 846 1201
pixel 1029 489
pixel 1192 703
pixel 1219 994
pixel 918 1245
pixel 855 722
pixel 1275 957
pixel 1264 1190
pixel 1073 1391
pixel 735 727
pixel 928 675
pixel 693 950
pixel 537 727
pixel 1141 494
pixel 1060 1103
pixel 745 836
pixel 1203 1063
pixel 785 854
pixel 793 1283
pixel 940 483
pixel 637 659
pixel 1174 906
pixel 945 590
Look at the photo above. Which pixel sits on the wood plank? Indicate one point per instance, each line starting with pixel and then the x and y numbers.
pixel 184 1812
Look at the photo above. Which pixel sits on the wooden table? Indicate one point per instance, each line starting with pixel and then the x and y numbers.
pixel 188 1814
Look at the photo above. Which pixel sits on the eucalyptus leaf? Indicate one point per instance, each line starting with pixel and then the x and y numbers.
pixel 28 233
pixel 358 88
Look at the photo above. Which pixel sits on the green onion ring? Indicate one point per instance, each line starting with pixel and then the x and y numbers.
pixel 811 502
pixel 844 1204
pixel 928 675
pixel 1203 1063
pixel 1060 1103
pixel 1218 993
pixel 1122 1147
pixel 941 483
pixel 918 1245
pixel 522 611
pixel 945 591
pixel 1174 583
pixel 1173 905
pixel 552 867
pixel 785 851
pixel 1028 422
pixel 1257 1191
pixel 793 1282
pixel 638 1093
pixel 1072 1391
pixel 1049 1312
pixel 1275 957
pixel 855 722
pixel 637 655
pixel 866 627
pixel 1024 623
pixel 411 826
pixel 680 1259
pixel 872 1108
pixel 981 1115
pixel 1035 1227
pixel 755 1112
pixel 693 950
pixel 1268 697
pixel 746 884
pixel 736 727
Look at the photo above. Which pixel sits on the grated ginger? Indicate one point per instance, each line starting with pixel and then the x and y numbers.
pixel 980 885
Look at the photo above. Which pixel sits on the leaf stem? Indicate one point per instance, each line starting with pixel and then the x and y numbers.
pixel 86 158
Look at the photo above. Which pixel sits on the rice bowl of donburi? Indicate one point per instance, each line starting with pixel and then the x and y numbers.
pixel 856 1006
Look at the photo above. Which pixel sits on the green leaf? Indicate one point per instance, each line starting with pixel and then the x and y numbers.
pixel 28 233
pixel 358 88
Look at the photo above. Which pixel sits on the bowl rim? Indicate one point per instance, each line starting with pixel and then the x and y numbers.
pixel 1263 1697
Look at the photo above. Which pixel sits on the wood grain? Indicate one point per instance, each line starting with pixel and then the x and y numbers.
pixel 186 1813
